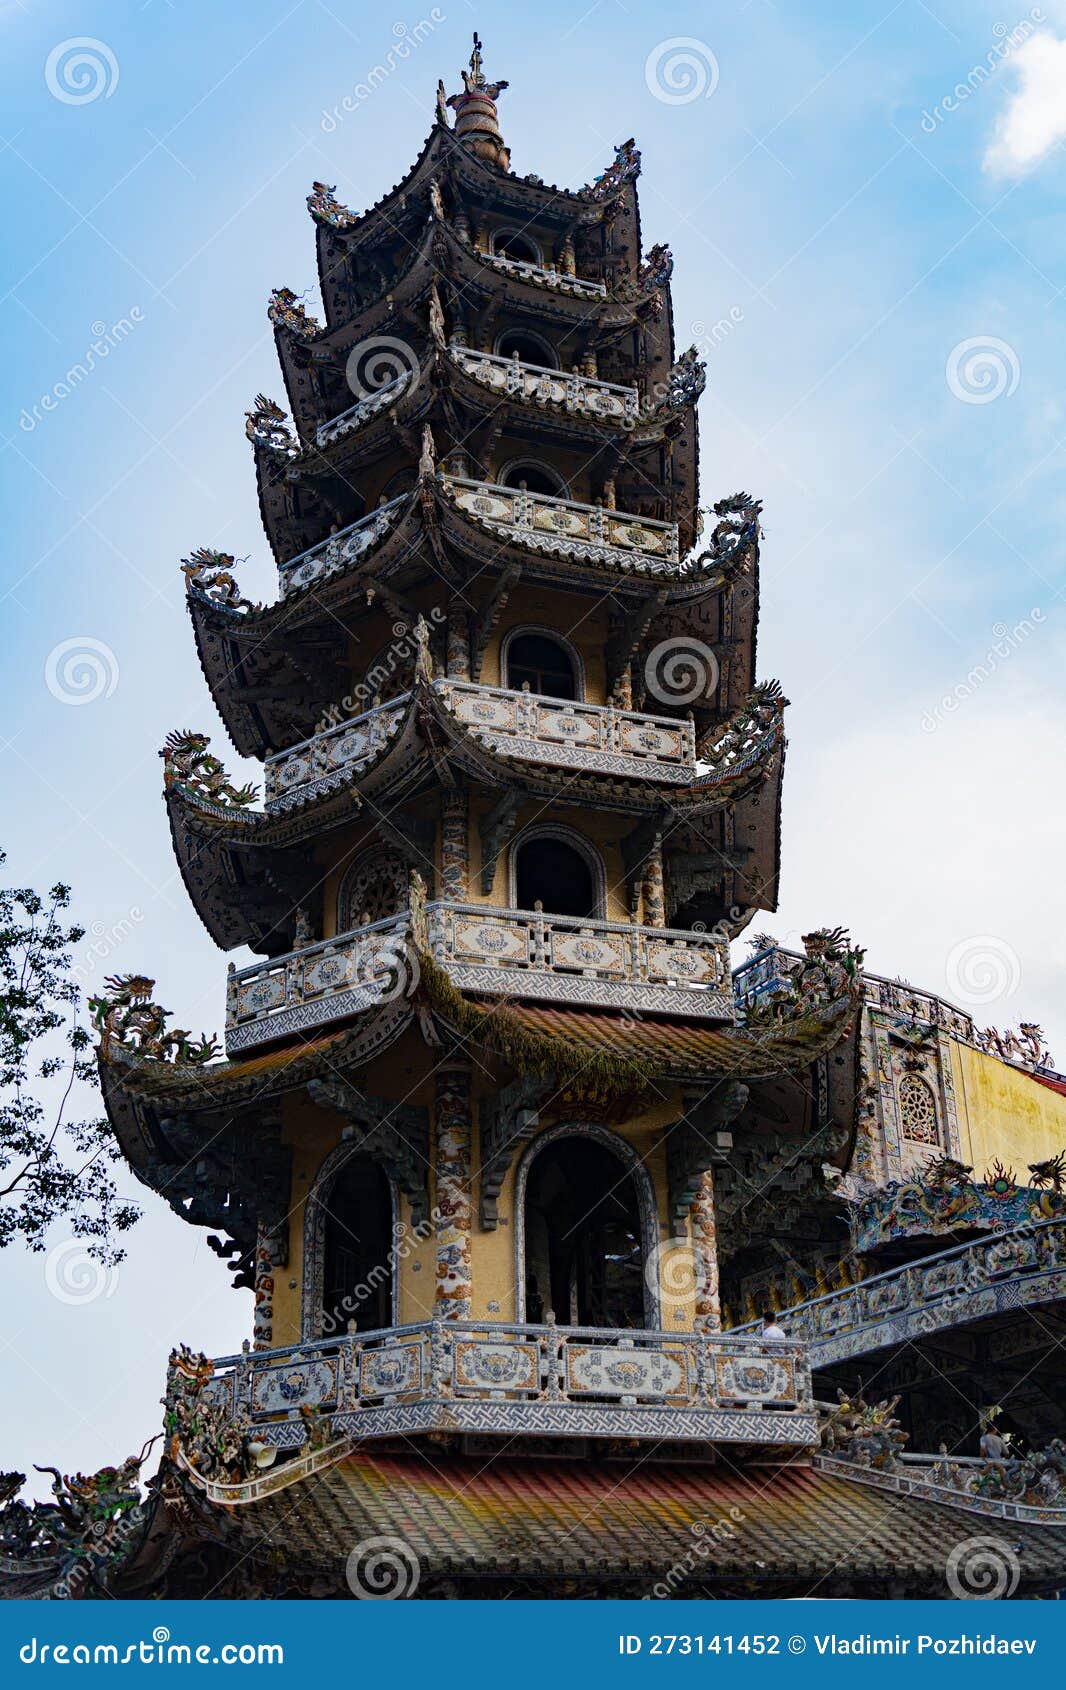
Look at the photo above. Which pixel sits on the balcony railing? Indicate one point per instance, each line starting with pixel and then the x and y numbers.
pixel 586 532
pixel 492 1377
pixel 539 384
pixel 952 1288
pixel 954 1480
pixel 363 409
pixel 331 758
pixel 511 953
pixel 624 743
pixel 545 277
pixel 341 551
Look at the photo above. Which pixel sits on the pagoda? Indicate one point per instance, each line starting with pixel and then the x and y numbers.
pixel 497 1143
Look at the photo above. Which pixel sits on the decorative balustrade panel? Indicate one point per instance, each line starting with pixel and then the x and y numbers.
pixel 950 1481
pixel 318 984
pixel 341 551
pixel 551 278
pixel 536 384
pixel 587 736
pixel 1010 1271
pixel 567 959
pixel 518 953
pixel 585 531
pixel 489 1377
pixel 363 409
pixel 330 759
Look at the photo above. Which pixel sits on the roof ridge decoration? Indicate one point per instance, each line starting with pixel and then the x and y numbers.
pixel 624 169
pixel 287 310
pixel 210 573
pixel 475 112
pixel 188 763
pixel 125 1015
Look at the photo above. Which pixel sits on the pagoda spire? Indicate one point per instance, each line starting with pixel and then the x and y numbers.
pixel 475 112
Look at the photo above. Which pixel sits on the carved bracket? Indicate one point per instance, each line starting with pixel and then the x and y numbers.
pixel 394 1135
pixel 508 1120
pixel 495 830
pixel 700 1140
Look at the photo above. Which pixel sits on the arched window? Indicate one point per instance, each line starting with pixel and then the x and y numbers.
pixel 583 1236
pixel 348 1258
pixel 535 477
pixel 376 886
pixel 558 870
pixel 531 348
pixel 542 662
pixel 917 1110
pixel 517 244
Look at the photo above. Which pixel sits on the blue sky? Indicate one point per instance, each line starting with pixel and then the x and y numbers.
pixel 871 262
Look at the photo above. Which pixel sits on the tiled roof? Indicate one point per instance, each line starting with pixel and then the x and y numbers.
pixel 565 1520
pixel 693 1047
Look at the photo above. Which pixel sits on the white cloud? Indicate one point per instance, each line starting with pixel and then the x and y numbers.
pixel 1034 119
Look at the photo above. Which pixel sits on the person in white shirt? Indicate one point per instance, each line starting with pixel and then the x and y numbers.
pixel 770 1328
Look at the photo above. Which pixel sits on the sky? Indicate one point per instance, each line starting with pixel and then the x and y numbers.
pixel 866 209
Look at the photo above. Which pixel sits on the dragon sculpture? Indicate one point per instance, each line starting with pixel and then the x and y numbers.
pixel 188 763
pixel 210 572
pixel 832 970
pixel 85 1530
pixel 1025 1047
pixel 126 1016
pixel 867 1433
pixel 325 207
pixel 287 310
pixel 1050 1174
pixel 266 424
pixel 746 732
pixel 686 381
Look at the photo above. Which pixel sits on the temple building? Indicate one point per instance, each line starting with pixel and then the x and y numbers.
pixel 513 1161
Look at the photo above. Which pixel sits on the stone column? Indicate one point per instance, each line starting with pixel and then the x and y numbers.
pixel 458 657
pixel 268 1253
pixel 705 1252
pixel 455 845
pixel 453 1208
pixel 567 264
pixel 654 894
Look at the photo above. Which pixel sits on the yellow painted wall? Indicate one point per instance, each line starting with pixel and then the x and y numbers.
pixel 1004 1112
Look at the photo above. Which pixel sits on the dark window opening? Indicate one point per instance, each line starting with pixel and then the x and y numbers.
pixel 543 663
pixel 357 1281
pixel 584 1260
pixel 555 875
pixel 530 348
pixel 534 480
pixel 510 244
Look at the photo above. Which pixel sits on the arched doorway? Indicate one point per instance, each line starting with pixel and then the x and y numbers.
pixel 557 870
pixel 517 245
pixel 353 1218
pixel 585 1214
pixel 542 662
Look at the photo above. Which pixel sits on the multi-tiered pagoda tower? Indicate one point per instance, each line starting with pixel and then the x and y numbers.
pixel 487 1091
